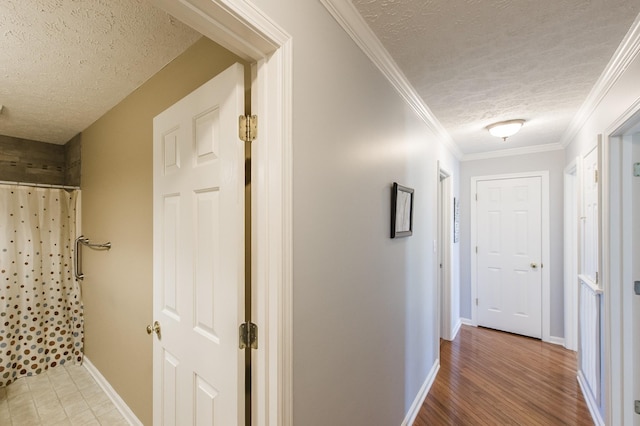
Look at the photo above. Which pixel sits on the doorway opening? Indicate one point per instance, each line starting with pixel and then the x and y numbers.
pixel 620 254
pixel 250 34
pixel 446 297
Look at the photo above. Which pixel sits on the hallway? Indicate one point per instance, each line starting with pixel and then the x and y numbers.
pixel 489 377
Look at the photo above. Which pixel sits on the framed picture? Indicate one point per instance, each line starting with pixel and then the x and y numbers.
pixel 456 220
pixel 401 211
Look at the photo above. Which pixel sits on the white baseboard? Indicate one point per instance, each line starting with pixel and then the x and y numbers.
pixel 556 340
pixel 467 321
pixel 456 329
pixel 111 393
pixel 591 402
pixel 422 395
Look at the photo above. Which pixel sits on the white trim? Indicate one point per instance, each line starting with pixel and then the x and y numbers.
pixel 241 27
pixel 622 58
pixel 122 407
pixel 630 368
pixel 592 405
pixel 513 151
pixel 546 246
pixel 272 247
pixel 422 395
pixel 612 301
pixel 592 285
pixel 570 241
pixel 467 321
pixel 346 14
pixel 626 120
pixel 456 329
pixel 556 340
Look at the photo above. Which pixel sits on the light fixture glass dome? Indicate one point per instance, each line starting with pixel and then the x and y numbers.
pixel 504 129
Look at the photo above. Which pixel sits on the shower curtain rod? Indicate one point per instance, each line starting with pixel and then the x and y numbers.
pixel 38 185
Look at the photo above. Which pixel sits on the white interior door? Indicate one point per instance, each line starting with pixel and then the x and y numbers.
pixel 198 285
pixel 509 253
pixel 635 324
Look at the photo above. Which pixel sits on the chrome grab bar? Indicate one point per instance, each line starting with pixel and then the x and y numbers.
pixel 77 257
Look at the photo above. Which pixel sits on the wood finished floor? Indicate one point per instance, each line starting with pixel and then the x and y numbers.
pixel 488 377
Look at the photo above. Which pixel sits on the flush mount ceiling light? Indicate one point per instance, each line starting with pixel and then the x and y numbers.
pixel 504 129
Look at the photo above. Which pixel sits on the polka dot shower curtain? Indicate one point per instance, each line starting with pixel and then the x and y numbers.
pixel 41 322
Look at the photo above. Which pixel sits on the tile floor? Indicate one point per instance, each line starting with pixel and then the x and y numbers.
pixel 64 395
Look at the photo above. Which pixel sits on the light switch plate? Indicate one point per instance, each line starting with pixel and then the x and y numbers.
pixel 636 169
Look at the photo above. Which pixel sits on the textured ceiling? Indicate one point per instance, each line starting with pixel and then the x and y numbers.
pixel 475 62
pixel 67 62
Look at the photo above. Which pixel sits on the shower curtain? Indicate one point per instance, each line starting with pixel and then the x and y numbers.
pixel 41 316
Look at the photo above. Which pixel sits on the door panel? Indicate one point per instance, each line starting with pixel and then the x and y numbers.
pixel 509 225
pixel 199 256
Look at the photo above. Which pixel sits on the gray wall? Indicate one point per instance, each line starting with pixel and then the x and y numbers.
pixel 553 161
pixel 364 305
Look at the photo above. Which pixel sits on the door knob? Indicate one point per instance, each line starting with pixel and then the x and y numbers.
pixel 155 328
pixel 534 265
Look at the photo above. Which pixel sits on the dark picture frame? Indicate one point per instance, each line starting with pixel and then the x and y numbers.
pixel 401 211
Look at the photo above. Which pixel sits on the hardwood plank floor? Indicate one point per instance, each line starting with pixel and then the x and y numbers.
pixel 488 377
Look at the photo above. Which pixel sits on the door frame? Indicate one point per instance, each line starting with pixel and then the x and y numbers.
pixel 546 270
pixel 242 28
pixel 446 296
pixel 571 244
pixel 616 269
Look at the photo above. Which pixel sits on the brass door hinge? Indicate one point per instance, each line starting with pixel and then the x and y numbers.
pixel 248 127
pixel 595 176
pixel 248 334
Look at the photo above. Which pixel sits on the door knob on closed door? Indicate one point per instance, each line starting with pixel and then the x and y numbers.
pixel 534 265
pixel 155 328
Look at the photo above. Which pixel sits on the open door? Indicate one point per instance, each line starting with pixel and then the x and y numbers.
pixel 198 284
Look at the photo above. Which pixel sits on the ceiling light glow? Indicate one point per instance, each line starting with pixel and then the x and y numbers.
pixel 505 129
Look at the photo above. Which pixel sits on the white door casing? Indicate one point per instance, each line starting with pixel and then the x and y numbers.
pixel 634 331
pixel 199 256
pixel 625 265
pixel 448 323
pixel 250 33
pixel 544 238
pixel 571 242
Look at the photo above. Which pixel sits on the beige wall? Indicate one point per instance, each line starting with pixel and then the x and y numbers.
pixel 117 207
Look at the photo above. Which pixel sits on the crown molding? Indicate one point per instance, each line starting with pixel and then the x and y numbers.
pixel 622 58
pixel 513 151
pixel 345 13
